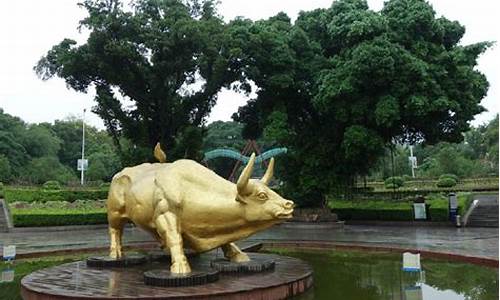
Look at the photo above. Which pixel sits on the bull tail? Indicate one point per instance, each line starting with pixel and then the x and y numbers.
pixel 116 195
pixel 159 154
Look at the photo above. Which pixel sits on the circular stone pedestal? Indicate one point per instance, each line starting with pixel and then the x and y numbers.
pixel 77 281
pixel 259 263
pixel 160 255
pixel 164 278
pixel 107 262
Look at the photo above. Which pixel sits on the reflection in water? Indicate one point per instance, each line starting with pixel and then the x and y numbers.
pixel 338 275
pixel 7 275
pixel 365 276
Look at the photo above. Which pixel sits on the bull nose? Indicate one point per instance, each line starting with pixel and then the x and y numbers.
pixel 289 204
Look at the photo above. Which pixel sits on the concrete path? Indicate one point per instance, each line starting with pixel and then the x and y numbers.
pixel 478 242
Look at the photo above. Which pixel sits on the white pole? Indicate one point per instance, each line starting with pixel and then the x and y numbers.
pixel 83 147
pixel 412 163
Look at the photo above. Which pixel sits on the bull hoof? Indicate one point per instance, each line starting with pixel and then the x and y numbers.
pixel 240 257
pixel 115 255
pixel 181 267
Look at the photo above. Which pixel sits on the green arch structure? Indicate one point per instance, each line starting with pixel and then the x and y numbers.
pixel 244 159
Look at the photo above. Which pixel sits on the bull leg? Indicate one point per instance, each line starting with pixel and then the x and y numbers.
pixel 234 254
pixel 168 227
pixel 115 236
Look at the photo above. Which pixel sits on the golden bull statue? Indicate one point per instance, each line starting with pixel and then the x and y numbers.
pixel 184 204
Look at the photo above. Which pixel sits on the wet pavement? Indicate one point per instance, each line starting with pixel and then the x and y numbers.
pixel 477 242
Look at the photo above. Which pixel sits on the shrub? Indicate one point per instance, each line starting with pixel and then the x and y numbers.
pixel 58 219
pixel 452 176
pixel 446 182
pixel 42 195
pixel 52 185
pixel 394 182
pixel 1 189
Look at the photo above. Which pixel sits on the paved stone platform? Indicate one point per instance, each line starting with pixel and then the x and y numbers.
pixel 290 277
pixel 479 242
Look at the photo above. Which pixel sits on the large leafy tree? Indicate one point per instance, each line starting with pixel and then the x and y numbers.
pixel 168 57
pixel 341 84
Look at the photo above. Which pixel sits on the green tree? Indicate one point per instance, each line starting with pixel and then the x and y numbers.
pixel 5 170
pixel 350 82
pixel 11 128
pixel 39 140
pixel 103 165
pixel 168 57
pixel 40 170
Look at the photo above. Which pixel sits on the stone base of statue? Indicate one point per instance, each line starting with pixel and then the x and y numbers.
pixel 258 263
pixel 77 280
pixel 125 261
pixel 160 255
pixel 164 278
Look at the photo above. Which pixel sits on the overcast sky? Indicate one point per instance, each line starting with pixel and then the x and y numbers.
pixel 29 28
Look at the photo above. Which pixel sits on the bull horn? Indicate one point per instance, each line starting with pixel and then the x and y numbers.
pixel 269 172
pixel 245 175
pixel 159 154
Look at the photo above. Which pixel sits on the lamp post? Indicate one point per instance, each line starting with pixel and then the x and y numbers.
pixel 82 165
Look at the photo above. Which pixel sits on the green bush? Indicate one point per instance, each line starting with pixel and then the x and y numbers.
pixel 42 195
pixel 394 182
pixel 446 182
pixel 381 210
pixel 21 219
pixel 452 176
pixel 52 185
pixel 1 189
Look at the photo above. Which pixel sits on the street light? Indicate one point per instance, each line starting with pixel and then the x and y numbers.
pixel 82 163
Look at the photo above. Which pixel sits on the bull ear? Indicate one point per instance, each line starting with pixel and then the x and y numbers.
pixel 269 172
pixel 245 176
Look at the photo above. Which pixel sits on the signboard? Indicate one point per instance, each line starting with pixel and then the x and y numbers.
pixel 419 209
pixel 453 201
pixel 7 275
pixel 9 252
pixel 413 293
pixel 82 164
pixel 411 262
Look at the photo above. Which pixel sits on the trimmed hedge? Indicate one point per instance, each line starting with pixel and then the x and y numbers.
pixel 45 217
pixel 41 195
pixel 381 210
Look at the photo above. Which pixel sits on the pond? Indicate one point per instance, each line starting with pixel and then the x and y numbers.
pixel 341 275
pixel 358 275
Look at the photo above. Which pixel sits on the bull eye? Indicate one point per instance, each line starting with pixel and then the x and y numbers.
pixel 262 196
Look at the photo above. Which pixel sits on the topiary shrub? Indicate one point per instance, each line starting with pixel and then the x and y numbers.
pixel 52 185
pixel 452 176
pixel 446 182
pixel 394 182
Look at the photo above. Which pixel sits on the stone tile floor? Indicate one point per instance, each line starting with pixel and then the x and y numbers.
pixel 478 242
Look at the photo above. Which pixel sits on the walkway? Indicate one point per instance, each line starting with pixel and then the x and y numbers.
pixel 478 242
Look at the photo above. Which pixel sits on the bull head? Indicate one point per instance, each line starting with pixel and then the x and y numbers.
pixel 261 203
